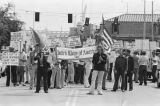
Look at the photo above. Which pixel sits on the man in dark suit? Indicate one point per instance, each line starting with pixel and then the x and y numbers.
pixel 120 71
pixel 130 70
pixel 41 71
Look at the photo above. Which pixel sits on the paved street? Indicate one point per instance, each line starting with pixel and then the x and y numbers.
pixel 75 95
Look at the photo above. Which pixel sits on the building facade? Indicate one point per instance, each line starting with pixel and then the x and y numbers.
pixel 129 27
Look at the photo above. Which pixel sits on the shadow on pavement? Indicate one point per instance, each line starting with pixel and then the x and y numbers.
pixel 19 94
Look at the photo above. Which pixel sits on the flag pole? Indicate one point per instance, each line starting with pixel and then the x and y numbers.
pixel 33 19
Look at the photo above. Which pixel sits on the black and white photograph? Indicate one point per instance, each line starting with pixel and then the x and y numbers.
pixel 79 52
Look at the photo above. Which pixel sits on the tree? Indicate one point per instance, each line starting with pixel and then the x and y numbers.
pixel 8 23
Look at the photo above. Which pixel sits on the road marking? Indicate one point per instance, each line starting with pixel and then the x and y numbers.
pixel 75 98
pixel 69 98
pixel 71 101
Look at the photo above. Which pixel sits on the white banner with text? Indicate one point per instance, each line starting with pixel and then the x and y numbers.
pixel 75 54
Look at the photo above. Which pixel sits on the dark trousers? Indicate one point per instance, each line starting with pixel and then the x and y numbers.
pixel 41 73
pixel 143 74
pixel 20 74
pixel 128 79
pixel 79 76
pixel 117 76
pixel 13 75
pixel 154 68
pixel 104 80
pixel 90 76
pixel 110 72
pixel 49 74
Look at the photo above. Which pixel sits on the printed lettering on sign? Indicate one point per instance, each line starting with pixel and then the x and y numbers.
pixel 10 58
pixel 77 53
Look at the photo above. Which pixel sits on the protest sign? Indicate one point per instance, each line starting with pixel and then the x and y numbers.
pixel 73 41
pixel 15 45
pixel 142 44
pixel 17 40
pixel 118 44
pixel 57 42
pixel 17 36
pixel 77 53
pixel 153 45
pixel 129 45
pixel 10 58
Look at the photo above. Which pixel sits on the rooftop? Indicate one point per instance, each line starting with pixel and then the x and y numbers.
pixel 136 18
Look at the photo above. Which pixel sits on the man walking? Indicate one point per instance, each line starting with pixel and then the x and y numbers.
pixel 120 71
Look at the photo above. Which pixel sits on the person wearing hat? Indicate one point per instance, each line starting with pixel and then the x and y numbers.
pixel 99 62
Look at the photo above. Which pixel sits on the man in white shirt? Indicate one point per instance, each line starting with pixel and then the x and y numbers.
pixel 21 67
pixel 56 71
pixel 154 67
pixel 111 64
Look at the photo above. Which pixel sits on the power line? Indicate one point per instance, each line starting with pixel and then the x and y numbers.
pixel 67 12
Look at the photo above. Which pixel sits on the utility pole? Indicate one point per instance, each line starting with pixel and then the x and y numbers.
pixel 75 21
pixel 152 21
pixel 144 16
pixel 127 7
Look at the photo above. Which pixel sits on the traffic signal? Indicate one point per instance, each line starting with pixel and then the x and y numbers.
pixel 37 18
pixel 115 26
pixel 87 22
pixel 70 18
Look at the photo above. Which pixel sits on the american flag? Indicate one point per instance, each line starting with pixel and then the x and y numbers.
pixel 107 41
pixel 37 39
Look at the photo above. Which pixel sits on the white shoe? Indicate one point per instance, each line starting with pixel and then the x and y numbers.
pixel 100 93
pixel 87 86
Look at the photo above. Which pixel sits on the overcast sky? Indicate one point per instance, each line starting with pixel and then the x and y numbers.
pixel 53 13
